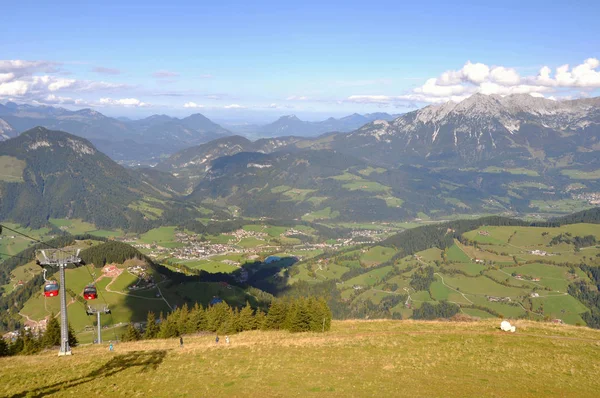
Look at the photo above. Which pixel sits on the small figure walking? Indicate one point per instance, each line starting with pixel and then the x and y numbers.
pixel 180 341
pixel 110 347
pixel 227 339
pixel 217 340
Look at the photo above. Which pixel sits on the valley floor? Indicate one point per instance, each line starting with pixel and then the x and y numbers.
pixel 357 358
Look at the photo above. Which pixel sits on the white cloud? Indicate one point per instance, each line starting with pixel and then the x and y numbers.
pixel 432 88
pixel 127 102
pixel 371 99
pixel 57 100
pixel 192 105
pixel 163 74
pixel 475 73
pixel 21 67
pixel 584 75
pixel 33 81
pixel 14 88
pixel 234 106
pixel 6 77
pixel 106 71
pixel 297 98
pixel 505 76
pixel 455 85
pixel 58 84
pixel 88 85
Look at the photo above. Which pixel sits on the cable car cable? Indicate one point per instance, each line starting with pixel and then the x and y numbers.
pixel 16 256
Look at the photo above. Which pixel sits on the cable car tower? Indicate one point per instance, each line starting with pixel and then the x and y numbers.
pixel 97 310
pixel 61 258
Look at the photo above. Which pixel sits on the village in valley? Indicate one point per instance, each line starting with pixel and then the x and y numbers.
pixel 251 244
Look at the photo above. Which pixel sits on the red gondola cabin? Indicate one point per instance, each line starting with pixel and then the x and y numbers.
pixel 51 289
pixel 90 293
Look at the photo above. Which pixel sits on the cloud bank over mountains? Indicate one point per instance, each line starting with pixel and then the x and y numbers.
pixel 50 83
pixel 455 85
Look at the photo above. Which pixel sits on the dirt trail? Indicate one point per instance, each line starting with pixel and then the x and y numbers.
pixel 451 288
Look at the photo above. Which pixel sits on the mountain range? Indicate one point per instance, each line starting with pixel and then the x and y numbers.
pixel 515 129
pixel 291 125
pixel 123 140
pixel 146 140
pixel 486 154
pixel 482 130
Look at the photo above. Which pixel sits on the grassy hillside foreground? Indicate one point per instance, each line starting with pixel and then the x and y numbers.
pixel 357 358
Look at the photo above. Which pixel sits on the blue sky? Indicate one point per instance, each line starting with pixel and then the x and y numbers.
pixel 243 60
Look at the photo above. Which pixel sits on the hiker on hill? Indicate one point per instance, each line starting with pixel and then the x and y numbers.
pixel 217 340
pixel 227 339
pixel 180 341
pixel 110 347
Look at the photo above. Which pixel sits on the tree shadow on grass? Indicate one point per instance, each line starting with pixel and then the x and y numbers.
pixel 143 360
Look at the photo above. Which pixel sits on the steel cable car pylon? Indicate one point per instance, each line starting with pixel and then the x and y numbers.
pixel 61 258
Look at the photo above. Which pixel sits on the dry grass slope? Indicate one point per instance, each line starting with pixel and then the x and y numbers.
pixel 357 358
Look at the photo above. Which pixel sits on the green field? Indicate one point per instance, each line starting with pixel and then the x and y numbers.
pixel 370 278
pixel 554 277
pixel 356 358
pixel 467 283
pixel 368 186
pixel 581 175
pixel 212 266
pixel 562 307
pixel 11 169
pixel 12 243
pixel 148 208
pixel 516 170
pixel 481 286
pixel 162 236
pixel 376 255
pixel 455 253
pixel 325 213
pixel 471 269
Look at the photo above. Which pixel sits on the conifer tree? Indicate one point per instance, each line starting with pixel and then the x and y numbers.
pixel 3 348
pixel 217 315
pixel 131 333
pixel 260 320
pixel 292 308
pixel 197 320
pixel 300 321
pixel 246 319
pixel 276 316
pixel 168 327
pixel 325 313
pixel 51 336
pixel 152 328
pixel 16 346
pixel 231 324
pixel 320 315
pixel 182 319
pixel 73 342
pixel 30 343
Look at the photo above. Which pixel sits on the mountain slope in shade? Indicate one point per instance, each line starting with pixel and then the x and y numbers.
pixel 517 128
pixel 59 175
pixel 191 164
pixel 296 184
